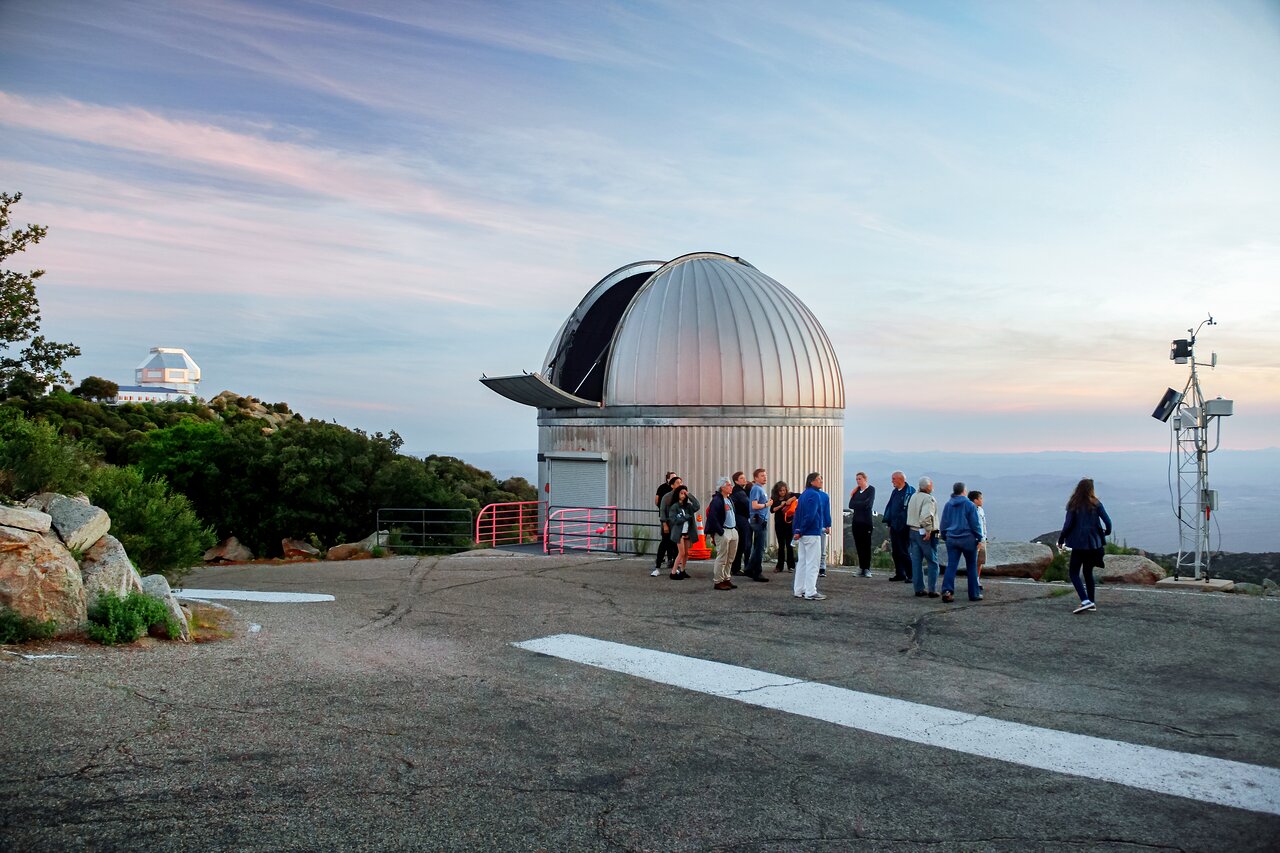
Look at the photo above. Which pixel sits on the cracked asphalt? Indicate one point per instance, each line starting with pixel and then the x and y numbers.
pixel 399 717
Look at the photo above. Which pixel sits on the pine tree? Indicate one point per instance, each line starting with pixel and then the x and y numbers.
pixel 39 364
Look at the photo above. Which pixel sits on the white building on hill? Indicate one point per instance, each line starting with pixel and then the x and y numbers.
pixel 168 368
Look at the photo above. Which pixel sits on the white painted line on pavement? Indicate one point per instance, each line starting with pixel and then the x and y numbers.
pixel 253 595
pixel 1196 777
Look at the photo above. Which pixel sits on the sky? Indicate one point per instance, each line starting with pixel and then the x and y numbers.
pixel 1001 213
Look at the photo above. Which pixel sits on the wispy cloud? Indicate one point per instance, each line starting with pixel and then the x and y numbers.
pixel 377 183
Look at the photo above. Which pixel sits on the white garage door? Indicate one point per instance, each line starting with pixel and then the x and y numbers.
pixel 578 482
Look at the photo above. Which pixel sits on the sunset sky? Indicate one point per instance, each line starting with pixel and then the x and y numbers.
pixel 1001 213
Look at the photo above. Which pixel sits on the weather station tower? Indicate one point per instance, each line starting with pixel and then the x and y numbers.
pixel 1192 419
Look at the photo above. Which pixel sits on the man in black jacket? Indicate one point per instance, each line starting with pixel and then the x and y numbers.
pixel 742 506
pixel 895 515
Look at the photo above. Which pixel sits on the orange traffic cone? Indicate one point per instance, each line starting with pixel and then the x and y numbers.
pixel 700 551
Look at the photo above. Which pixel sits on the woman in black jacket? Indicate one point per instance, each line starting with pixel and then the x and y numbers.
pixel 779 501
pixel 683 516
pixel 1084 532
pixel 860 501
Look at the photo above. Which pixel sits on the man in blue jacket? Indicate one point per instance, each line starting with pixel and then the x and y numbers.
pixel 813 519
pixel 962 530
pixel 895 515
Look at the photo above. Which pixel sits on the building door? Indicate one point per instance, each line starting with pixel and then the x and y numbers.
pixel 578 482
pixel 579 488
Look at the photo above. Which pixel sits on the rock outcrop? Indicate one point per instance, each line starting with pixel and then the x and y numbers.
pixel 157 587
pixel 349 551
pixel 39 574
pixel 298 548
pixel 1129 568
pixel 1017 559
pixel 229 550
pixel 40 579
pixel 24 518
pixel 78 523
pixel 107 568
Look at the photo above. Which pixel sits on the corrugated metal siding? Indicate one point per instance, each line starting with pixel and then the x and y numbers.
pixel 707 330
pixel 641 454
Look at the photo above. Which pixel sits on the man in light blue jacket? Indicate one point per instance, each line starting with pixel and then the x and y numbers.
pixel 963 531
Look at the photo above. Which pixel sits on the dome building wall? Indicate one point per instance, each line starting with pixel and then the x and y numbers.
pixel 703 365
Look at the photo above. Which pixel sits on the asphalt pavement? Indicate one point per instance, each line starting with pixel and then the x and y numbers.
pixel 400 716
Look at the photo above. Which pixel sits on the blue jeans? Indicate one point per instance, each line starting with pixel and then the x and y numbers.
pixel 923 551
pixel 759 538
pixel 968 546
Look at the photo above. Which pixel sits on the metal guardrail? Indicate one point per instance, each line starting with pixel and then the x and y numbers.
pixel 510 523
pixel 421 529
pixel 620 530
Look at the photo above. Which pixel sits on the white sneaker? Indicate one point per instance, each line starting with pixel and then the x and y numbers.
pixel 817 596
pixel 797 595
pixel 655 573
pixel 1085 605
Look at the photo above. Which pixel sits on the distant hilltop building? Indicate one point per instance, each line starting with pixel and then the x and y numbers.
pixel 166 375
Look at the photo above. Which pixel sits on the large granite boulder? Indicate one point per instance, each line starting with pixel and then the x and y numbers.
pixel 25 519
pixel 1017 559
pixel 40 579
pixel 77 522
pixel 107 568
pixel 156 586
pixel 298 548
pixel 1129 568
pixel 377 539
pixel 349 551
pixel 229 550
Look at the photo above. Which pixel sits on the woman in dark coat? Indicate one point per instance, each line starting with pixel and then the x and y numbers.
pixel 684 528
pixel 1085 532
pixel 860 501
pixel 779 500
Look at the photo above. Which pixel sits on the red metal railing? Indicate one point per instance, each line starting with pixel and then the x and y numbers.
pixel 581 529
pixel 508 523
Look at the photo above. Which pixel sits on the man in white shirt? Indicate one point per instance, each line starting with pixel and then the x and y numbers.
pixel 976 497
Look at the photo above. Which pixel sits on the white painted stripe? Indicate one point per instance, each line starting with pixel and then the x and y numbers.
pixel 1196 777
pixel 253 595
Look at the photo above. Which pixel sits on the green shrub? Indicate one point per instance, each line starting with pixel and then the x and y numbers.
pixel 158 528
pixel 1113 548
pixel 882 560
pixel 640 540
pixel 16 628
pixel 35 458
pixel 1057 570
pixel 113 619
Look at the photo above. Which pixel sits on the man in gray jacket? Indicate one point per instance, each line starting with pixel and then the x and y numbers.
pixel 922 522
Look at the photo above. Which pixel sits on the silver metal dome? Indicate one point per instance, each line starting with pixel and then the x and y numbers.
pixel 702 330
pixel 710 330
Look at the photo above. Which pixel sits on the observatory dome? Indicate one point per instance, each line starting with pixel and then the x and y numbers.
pixel 739 338
pixel 702 330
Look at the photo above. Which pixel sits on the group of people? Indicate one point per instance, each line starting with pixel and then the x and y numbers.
pixel 916 528
pixel 737 521
pixel 738 513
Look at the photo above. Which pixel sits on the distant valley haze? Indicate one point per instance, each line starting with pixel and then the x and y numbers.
pixel 1026 493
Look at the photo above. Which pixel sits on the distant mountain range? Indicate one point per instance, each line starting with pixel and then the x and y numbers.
pixel 1026 492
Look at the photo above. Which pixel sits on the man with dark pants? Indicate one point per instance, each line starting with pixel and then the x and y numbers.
pixel 962 531
pixel 860 501
pixel 895 515
pixel 758 521
pixel 666 548
pixel 742 506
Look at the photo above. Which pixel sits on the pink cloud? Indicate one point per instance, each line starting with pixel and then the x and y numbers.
pixel 370 181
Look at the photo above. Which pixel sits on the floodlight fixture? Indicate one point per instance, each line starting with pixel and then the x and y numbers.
pixel 1167 405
